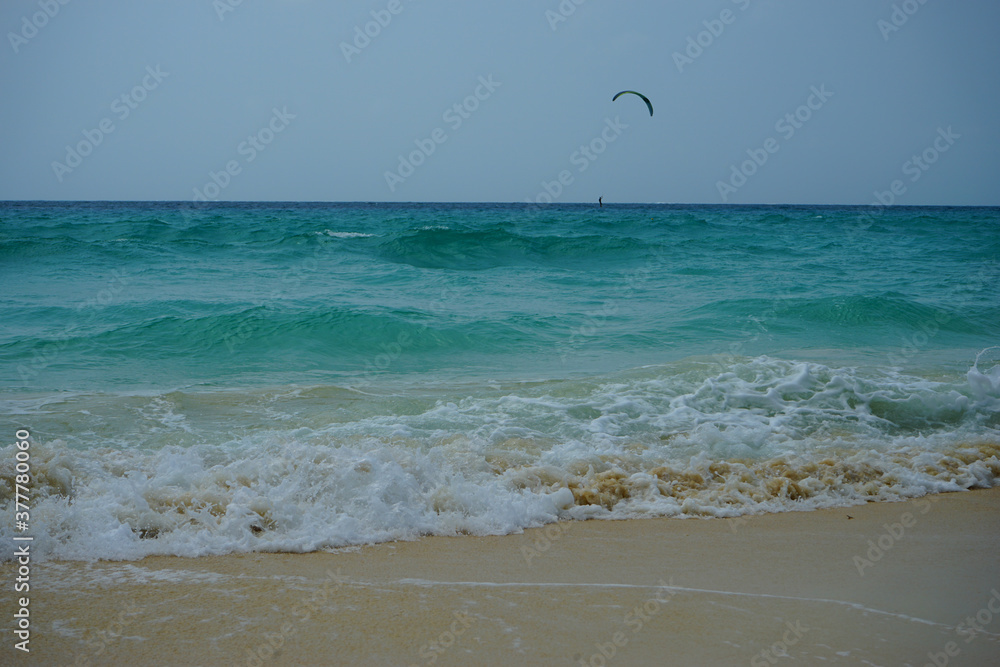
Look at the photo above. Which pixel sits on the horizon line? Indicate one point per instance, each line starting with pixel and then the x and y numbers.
pixel 475 203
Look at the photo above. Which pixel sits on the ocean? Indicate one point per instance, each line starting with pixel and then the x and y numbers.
pixel 281 377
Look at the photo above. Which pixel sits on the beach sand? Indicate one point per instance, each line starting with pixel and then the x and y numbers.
pixel 892 585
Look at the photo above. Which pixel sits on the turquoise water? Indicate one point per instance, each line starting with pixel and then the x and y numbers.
pixel 235 377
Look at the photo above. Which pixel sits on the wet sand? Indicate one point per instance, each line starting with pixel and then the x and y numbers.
pixel 898 583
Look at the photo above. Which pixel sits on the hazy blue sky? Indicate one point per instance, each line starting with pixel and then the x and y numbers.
pixel 226 71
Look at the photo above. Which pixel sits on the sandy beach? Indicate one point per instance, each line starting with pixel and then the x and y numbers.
pixel 909 583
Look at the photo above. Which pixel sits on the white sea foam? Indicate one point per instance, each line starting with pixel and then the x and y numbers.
pixel 344 468
pixel 346 235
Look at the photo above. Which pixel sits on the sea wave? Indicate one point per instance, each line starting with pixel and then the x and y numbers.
pixel 480 249
pixel 307 468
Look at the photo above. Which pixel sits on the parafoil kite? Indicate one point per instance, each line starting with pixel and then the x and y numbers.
pixel 632 92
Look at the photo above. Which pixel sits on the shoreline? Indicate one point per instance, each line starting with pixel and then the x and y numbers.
pixel 894 583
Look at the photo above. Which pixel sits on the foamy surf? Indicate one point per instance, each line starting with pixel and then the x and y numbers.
pixel 299 469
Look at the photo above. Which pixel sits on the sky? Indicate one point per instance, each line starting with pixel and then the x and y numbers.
pixel 756 101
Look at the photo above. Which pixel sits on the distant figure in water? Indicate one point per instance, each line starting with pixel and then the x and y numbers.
pixel 600 200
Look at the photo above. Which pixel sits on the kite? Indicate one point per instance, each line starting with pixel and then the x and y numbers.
pixel 632 92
